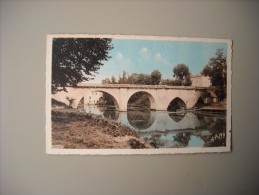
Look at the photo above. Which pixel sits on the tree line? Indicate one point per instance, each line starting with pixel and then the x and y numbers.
pixel 136 78
pixel 181 74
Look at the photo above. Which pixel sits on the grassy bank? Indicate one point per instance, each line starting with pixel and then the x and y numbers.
pixel 73 129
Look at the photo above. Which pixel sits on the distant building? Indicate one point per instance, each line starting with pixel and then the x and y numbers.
pixel 93 98
pixel 203 81
pixel 200 81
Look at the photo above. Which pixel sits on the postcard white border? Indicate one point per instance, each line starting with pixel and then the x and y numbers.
pixel 49 148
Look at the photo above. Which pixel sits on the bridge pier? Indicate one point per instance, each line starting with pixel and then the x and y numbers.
pixel 123 98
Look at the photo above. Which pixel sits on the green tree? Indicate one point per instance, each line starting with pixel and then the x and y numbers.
pixel 123 79
pixel 141 79
pixel 155 77
pixel 106 81
pixel 187 81
pixel 77 59
pixel 113 80
pixel 145 79
pixel 181 71
pixel 216 69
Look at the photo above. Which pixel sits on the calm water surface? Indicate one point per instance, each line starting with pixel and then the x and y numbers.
pixel 164 129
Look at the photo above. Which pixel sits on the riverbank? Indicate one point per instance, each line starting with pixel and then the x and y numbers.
pixel 73 129
pixel 214 108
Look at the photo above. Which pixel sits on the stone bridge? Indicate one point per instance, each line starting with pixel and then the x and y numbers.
pixel 160 96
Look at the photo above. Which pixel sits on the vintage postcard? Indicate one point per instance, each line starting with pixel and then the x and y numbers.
pixel 125 94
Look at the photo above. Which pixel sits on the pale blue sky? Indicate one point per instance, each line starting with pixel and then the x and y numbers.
pixel 144 56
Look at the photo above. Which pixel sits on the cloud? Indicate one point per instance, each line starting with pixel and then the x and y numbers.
pixel 161 60
pixel 119 56
pixel 119 62
pixel 143 51
pixel 158 56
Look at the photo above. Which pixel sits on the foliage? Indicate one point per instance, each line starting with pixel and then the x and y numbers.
pixel 216 69
pixel 182 75
pixel 187 81
pixel 181 71
pixel 106 81
pixel 177 82
pixel 155 77
pixel 171 82
pixel 113 80
pixel 109 81
pixel 123 79
pixel 139 79
pixel 77 59
pixel 135 78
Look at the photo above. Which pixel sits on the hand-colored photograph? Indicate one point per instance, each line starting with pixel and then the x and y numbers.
pixel 128 94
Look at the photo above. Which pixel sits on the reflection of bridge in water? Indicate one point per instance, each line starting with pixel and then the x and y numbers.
pixel 180 130
pixel 150 121
pixel 160 121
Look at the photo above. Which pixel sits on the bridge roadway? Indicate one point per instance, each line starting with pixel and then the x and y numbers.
pixel 160 96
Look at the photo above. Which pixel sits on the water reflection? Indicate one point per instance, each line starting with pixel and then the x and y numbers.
pixel 176 116
pixel 140 120
pixel 111 114
pixel 162 129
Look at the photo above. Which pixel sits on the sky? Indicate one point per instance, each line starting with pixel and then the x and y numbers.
pixel 145 56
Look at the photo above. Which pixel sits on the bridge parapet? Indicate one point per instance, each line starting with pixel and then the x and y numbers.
pixel 132 86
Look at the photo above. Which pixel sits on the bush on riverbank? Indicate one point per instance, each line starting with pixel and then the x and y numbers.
pixel 57 104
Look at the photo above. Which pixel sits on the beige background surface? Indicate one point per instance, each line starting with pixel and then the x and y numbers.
pixel 25 167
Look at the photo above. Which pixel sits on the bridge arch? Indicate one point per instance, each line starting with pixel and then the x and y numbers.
pixel 176 104
pixel 80 104
pixel 116 104
pixel 148 95
pixel 200 102
pixel 115 101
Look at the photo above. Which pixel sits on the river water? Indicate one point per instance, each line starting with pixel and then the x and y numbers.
pixel 163 129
